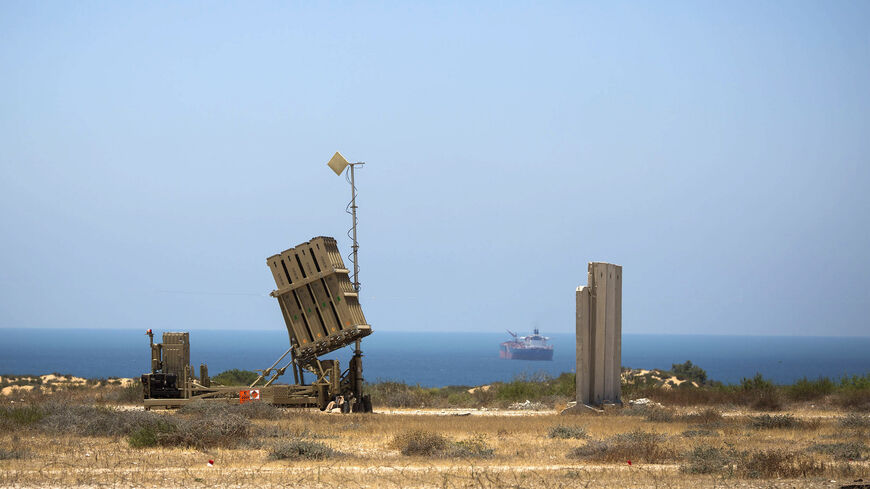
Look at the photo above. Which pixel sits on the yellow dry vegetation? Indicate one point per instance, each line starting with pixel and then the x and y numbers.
pixel 523 454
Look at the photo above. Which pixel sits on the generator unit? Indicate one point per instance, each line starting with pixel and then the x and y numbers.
pixel 170 366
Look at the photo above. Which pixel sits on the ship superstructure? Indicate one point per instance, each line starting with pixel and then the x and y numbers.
pixel 532 347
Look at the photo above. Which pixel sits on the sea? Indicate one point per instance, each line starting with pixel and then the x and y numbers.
pixel 434 359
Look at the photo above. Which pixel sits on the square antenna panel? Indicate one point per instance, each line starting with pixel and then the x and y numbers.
pixel 338 163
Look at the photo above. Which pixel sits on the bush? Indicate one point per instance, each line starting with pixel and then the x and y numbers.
pixel 21 415
pixel 635 445
pixel 143 428
pixel 707 460
pixel 301 450
pixel 780 463
pixel 650 413
pixel 856 382
pixel 12 453
pixel 808 390
pixel 659 415
pixel 778 421
pixel 474 447
pixel 565 385
pixel 757 383
pixel 854 420
pixel 131 394
pixel 215 408
pixel 235 377
pixel 697 433
pixel 760 393
pixel 520 389
pixel 201 434
pixel 565 432
pixel 767 401
pixel 85 420
pixel 593 450
pixel 419 442
pixel 841 451
pixel 399 394
pixel 460 399
pixel 150 435
pixel 707 416
pixel 225 431
pixel 854 399
pixel 690 372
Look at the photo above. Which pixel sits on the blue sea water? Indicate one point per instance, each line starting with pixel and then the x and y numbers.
pixel 434 359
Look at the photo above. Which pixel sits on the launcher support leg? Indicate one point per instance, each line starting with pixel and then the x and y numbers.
pixel 296 377
pixel 356 366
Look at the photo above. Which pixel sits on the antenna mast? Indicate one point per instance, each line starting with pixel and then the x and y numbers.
pixel 353 207
pixel 338 163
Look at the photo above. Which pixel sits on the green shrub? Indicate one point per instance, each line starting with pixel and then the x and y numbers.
pixel 520 390
pixel 808 390
pixel 460 399
pixel 399 394
pixel 760 393
pixel 690 372
pixel 565 385
pixel 855 382
pixel 757 383
pixel 301 450
pixel 142 437
pixel 145 436
pixel 235 377
pixel 21 415
pixel 565 432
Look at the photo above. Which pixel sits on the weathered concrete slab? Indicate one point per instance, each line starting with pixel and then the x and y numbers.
pixel 599 336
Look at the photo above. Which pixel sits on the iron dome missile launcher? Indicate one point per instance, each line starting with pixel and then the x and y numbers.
pixel 322 313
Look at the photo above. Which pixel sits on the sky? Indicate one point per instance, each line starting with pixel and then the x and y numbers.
pixel 152 155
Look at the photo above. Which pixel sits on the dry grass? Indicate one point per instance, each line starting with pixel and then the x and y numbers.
pixel 70 443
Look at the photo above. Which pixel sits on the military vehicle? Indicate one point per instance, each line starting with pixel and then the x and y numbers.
pixel 322 313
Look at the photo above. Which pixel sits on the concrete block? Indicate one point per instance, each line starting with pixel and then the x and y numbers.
pixel 599 335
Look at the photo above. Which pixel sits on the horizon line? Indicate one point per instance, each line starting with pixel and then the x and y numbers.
pixel 450 332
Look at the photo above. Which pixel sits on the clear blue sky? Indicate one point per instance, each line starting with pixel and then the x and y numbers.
pixel 153 155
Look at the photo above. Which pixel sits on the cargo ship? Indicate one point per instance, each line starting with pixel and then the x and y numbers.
pixel 532 347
